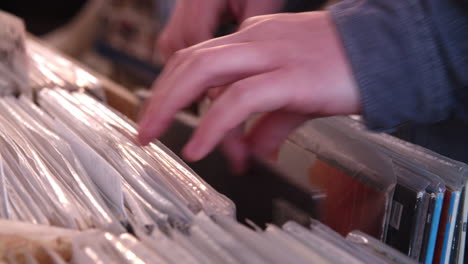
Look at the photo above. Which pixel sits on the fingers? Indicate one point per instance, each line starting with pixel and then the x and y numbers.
pixel 236 150
pixel 205 69
pixel 205 19
pixel 260 93
pixel 171 38
pixel 270 131
pixel 191 23
pixel 182 55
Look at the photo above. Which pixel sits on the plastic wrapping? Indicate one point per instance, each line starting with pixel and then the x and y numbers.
pixel 222 241
pixel 453 173
pixel 74 164
pixel 175 171
pixel 37 178
pixel 102 247
pixel 167 247
pixel 260 244
pixel 451 205
pixel 22 204
pixel 357 180
pixel 155 178
pixel 108 145
pixel 330 247
pixel 378 247
pixel 226 240
pixel 62 162
pixel 50 69
pixel 4 203
pixel 302 252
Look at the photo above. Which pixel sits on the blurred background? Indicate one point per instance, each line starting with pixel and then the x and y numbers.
pixel 114 37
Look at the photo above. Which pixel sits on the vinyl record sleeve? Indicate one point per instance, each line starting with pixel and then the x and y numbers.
pixel 418 226
pixel 350 204
pixel 446 226
pixel 463 235
pixel 432 226
pixel 459 235
pixel 403 212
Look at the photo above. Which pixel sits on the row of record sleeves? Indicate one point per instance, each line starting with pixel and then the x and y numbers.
pixel 71 169
pixel 70 162
pixel 407 196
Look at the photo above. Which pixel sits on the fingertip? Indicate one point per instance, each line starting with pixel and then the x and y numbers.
pixel 149 130
pixel 190 154
pixel 237 153
pixel 239 165
pixel 142 137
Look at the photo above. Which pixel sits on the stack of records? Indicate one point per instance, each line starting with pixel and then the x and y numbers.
pixel 71 162
pixel 357 180
pixel 429 208
pixel 216 239
pixel 76 166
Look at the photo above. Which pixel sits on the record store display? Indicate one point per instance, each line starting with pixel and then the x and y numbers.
pixel 427 215
pixel 75 186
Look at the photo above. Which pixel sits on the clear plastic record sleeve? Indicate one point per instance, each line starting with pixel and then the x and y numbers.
pixel 447 227
pixel 409 212
pixel 57 201
pixel 459 236
pixel 357 178
pixel 334 247
pixel 61 161
pixel 175 170
pixel 379 248
pixel 453 174
pixel 155 159
pixel 110 147
pixel 49 69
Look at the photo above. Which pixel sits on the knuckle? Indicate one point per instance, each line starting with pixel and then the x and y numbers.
pixel 250 21
pixel 201 57
pixel 181 54
pixel 258 21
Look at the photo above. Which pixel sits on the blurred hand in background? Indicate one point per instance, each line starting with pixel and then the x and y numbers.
pixel 194 21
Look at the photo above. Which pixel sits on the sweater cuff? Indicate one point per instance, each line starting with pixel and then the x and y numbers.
pixel 395 61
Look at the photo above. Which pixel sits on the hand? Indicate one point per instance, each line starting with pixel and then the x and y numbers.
pixel 290 67
pixel 195 21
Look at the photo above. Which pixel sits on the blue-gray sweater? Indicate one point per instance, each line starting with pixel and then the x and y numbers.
pixel 410 60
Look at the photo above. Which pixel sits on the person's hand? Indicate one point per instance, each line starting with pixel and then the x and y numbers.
pixel 290 66
pixel 194 21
